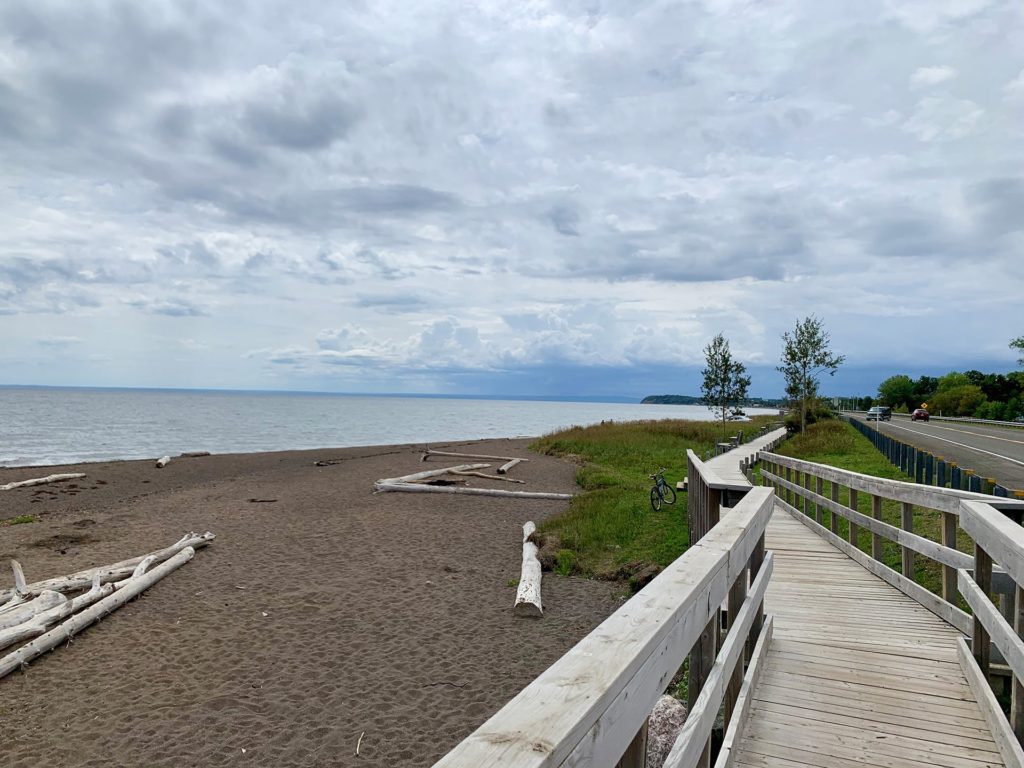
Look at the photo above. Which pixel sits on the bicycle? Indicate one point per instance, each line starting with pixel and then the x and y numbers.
pixel 662 492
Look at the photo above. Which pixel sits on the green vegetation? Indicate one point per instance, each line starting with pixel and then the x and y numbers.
pixel 18 520
pixel 838 444
pixel 805 356
pixel 610 530
pixel 725 381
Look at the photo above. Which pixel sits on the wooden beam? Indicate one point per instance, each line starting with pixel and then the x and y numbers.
pixel 730 741
pixel 1007 744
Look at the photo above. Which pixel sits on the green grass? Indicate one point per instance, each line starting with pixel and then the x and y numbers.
pixel 838 444
pixel 611 524
pixel 19 520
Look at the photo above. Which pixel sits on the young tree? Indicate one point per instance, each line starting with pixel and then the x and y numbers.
pixel 1018 344
pixel 725 380
pixel 805 355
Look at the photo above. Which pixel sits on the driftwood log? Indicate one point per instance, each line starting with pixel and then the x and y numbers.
pixel 163 461
pixel 39 623
pixel 430 452
pixel 193 454
pixel 485 476
pixel 508 465
pixel 42 480
pixel 20 594
pixel 21 613
pixel 382 485
pixel 75 624
pixel 528 594
pixel 416 477
pixel 121 570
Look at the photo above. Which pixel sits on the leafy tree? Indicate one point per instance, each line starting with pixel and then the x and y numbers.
pixel 962 400
pixel 1018 344
pixel 897 391
pixel 725 381
pixel 806 355
pixel 952 380
pixel 924 388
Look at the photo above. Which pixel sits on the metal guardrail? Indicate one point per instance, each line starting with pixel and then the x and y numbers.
pixel 964 419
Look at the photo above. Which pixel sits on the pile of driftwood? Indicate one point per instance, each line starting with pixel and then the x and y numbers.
pixel 43 610
pixel 455 479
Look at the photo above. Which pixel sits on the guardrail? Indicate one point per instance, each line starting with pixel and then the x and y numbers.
pixel 591 706
pixel 928 469
pixel 969 420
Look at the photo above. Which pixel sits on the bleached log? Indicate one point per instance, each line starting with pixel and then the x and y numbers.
pixel 20 593
pixel 193 454
pixel 139 570
pixel 24 612
pixel 506 467
pixel 39 623
pixel 431 473
pixel 485 476
pixel 42 480
pixel 163 461
pixel 417 488
pixel 428 453
pixel 528 594
pixel 75 624
pixel 121 570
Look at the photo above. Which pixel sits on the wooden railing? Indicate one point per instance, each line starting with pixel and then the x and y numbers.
pixel 591 706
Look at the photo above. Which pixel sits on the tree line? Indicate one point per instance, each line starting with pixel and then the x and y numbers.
pixel 972 393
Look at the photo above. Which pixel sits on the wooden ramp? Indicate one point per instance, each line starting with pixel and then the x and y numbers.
pixel 857 674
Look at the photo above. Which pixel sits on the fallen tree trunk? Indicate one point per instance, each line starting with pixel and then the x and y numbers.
pixel 42 480
pixel 163 461
pixel 381 485
pixel 24 612
pixel 72 626
pixel 431 473
pixel 193 454
pixel 83 579
pixel 506 467
pixel 488 477
pixel 428 453
pixel 20 593
pixel 38 623
pixel 528 594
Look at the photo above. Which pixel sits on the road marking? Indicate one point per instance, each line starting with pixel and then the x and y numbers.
pixel 954 442
pixel 976 434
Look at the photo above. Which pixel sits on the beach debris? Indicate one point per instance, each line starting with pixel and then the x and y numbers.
pixel 489 477
pixel 360 742
pixel 122 570
pixel 98 609
pixel 38 624
pixel 413 484
pixel 528 593
pixel 428 452
pixel 262 501
pixel 20 593
pixel 504 468
pixel 42 480
pixel 163 461
pixel 194 455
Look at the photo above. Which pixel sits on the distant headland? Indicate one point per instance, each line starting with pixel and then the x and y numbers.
pixel 757 402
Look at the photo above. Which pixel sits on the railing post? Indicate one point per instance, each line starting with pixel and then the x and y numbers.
pixel 949 588
pixel 835 517
pixel 819 488
pixel 635 755
pixel 754 566
pixel 737 594
pixel 854 529
pixel 907 523
pixel 929 470
pixel 807 501
pixel 876 538
pixel 789 479
pixel 979 638
pixel 1017 694
pixel 940 473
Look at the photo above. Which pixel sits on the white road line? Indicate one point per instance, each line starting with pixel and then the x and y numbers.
pixel 954 442
pixel 976 434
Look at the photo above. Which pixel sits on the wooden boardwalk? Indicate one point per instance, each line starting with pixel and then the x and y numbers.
pixel 857 673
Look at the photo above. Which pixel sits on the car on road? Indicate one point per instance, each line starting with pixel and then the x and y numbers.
pixel 919 414
pixel 879 413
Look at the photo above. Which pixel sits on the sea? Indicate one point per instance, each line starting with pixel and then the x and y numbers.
pixel 44 425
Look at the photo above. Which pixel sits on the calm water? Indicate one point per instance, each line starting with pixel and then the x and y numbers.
pixel 63 426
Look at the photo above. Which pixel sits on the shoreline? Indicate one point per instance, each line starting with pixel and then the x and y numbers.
pixel 320 612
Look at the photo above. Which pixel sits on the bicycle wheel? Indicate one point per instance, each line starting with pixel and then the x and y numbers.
pixel 668 494
pixel 655 499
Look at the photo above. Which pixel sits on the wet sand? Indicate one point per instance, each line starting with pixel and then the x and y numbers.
pixel 320 613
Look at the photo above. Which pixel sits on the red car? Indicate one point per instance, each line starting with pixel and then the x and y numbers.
pixel 919 414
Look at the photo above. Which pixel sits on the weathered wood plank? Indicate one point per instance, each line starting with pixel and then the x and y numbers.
pixel 1009 748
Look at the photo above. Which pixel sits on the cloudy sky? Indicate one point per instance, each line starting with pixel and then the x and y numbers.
pixel 524 198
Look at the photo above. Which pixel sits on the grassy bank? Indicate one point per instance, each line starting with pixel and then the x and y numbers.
pixel 838 444
pixel 610 530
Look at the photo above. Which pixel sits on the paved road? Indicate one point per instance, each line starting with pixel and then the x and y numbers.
pixel 996 452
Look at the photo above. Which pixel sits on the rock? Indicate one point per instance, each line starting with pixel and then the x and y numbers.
pixel 665 723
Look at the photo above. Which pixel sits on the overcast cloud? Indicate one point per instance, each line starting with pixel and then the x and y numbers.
pixel 535 198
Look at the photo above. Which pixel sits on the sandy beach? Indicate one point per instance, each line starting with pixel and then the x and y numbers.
pixel 321 613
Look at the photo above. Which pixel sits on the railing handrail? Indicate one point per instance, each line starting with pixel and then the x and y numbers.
pixel 932 497
pixel 588 706
pixel 711 478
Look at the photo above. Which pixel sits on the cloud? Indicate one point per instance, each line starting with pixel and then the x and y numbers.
pixel 927 76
